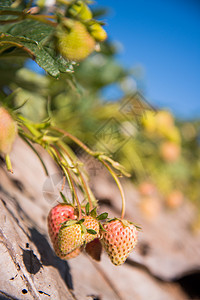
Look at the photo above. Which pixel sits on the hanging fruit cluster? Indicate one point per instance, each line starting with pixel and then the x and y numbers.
pixel 72 233
pixel 72 33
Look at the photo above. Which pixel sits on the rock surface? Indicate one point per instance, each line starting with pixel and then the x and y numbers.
pixel 30 269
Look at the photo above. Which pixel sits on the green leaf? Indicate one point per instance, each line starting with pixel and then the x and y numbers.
pixel 91 231
pixel 102 216
pixel 83 229
pixel 87 208
pixel 138 227
pixel 125 222
pixel 68 223
pixel 101 227
pixel 64 198
pixel 80 221
pixel 93 212
pixel 30 38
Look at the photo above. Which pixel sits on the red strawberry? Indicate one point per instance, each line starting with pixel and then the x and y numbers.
pixel 119 239
pixel 70 237
pixel 94 249
pixel 57 215
pixel 8 131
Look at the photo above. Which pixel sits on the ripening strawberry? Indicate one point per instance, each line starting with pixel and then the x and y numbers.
pixel 70 238
pixel 57 215
pixel 92 225
pixel 8 131
pixel 74 41
pixel 79 10
pixel 75 234
pixel 94 249
pixel 70 255
pixel 119 239
pixel 97 31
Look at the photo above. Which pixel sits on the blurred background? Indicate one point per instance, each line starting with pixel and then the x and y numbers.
pixel 161 39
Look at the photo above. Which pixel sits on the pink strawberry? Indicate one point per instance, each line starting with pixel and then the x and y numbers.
pixel 119 239
pixel 94 249
pixel 57 215
pixel 8 131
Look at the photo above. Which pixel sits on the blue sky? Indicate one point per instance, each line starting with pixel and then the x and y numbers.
pixel 162 36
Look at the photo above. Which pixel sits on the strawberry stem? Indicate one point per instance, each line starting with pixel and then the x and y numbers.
pixel 53 151
pixel 76 140
pixel 119 187
pixel 101 158
pixel 80 175
pixel 58 159
pixel 68 175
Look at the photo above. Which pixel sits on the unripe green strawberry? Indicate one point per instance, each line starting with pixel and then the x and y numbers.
pixel 74 234
pixel 8 131
pixel 94 249
pixel 119 239
pixel 79 10
pixel 97 31
pixel 74 41
pixel 70 237
pixel 91 224
pixel 58 215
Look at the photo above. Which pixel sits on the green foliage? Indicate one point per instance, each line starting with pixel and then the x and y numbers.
pixel 71 109
pixel 29 38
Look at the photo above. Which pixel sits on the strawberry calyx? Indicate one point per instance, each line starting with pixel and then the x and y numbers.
pixel 93 213
pixel 125 223
pixel 84 229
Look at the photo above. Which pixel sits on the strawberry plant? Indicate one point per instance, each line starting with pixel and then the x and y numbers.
pixel 57 39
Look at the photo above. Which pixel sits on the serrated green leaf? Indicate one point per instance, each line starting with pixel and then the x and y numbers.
pixel 31 29
pixel 102 216
pixel 33 39
pixel 91 231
